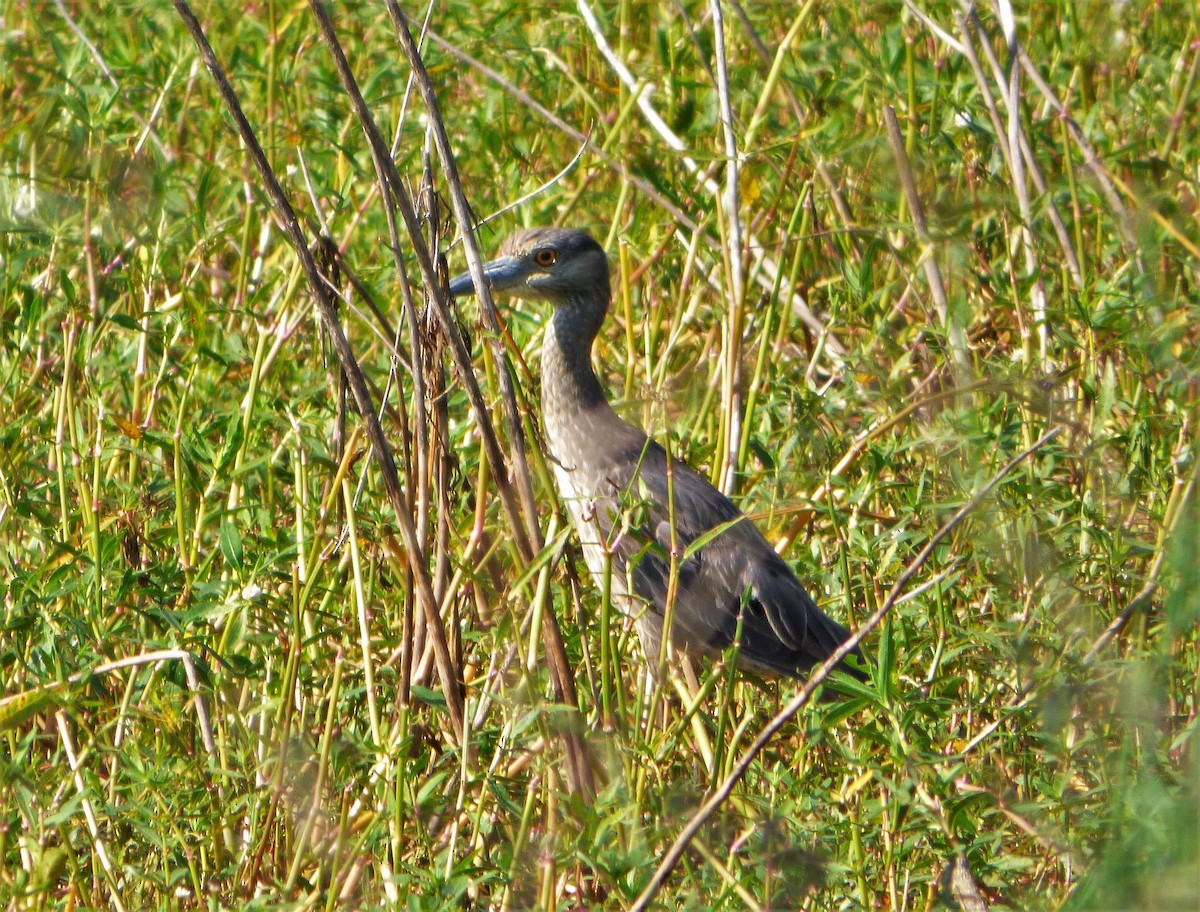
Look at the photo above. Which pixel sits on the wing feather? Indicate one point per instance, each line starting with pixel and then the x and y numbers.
pixel 725 566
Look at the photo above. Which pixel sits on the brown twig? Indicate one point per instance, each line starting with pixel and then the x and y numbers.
pixel 528 538
pixel 491 320
pixel 732 395
pixel 1175 511
pixel 1092 160
pixel 393 198
pixel 345 354
pixel 956 339
pixel 989 102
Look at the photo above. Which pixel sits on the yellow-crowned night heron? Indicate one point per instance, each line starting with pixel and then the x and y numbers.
pixel 615 483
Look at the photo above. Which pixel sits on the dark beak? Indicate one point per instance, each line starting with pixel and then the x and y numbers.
pixel 501 274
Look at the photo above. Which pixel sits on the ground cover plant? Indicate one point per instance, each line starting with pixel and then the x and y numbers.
pixel 915 282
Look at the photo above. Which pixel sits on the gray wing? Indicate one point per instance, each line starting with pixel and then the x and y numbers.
pixel 783 631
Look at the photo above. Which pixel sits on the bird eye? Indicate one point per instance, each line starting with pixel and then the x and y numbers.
pixel 545 256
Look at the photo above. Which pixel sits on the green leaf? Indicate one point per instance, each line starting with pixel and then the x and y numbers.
pixel 20 707
pixel 231 543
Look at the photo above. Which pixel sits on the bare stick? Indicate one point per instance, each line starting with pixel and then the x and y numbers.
pixel 673 141
pixel 110 874
pixel 1016 164
pixel 731 376
pixel 520 521
pixel 1035 172
pixel 956 339
pixel 536 192
pixel 147 125
pixel 461 357
pixel 675 852
pixel 1092 160
pixel 394 198
pixel 1174 513
pixel 946 38
pixel 562 675
pixel 354 376
pixel 13 703
pixel 462 213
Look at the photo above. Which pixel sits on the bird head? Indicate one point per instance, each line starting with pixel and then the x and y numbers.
pixel 559 265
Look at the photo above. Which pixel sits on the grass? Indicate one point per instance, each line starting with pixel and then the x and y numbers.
pixel 219 686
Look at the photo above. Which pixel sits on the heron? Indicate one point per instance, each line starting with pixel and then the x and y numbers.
pixel 675 550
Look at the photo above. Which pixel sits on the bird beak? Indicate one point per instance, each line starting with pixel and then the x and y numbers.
pixel 501 274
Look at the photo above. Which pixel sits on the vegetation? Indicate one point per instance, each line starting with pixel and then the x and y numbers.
pixel 220 687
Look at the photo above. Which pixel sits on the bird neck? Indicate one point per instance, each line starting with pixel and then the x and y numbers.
pixel 568 381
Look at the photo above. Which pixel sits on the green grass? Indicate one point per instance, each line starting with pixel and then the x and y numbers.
pixel 174 480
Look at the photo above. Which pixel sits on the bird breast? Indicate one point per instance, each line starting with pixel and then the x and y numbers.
pixel 582 445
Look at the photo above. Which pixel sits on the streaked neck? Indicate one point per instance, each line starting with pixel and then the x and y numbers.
pixel 568 382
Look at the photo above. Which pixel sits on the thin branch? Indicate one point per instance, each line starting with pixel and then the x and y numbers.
pixel 1092 160
pixel 145 658
pixel 1016 163
pixel 110 874
pixel 641 92
pixel 731 376
pixel 1174 513
pixel 561 674
pixel 147 126
pixel 345 354
pixel 1035 172
pixel 946 38
pixel 533 194
pixel 393 196
pixel 528 542
pixel 956 338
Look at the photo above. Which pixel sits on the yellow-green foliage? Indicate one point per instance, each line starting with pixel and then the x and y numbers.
pixel 178 487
